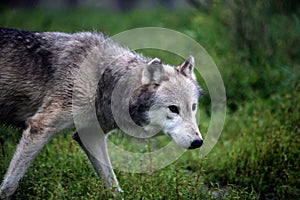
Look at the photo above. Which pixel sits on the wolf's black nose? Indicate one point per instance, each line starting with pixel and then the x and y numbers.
pixel 196 144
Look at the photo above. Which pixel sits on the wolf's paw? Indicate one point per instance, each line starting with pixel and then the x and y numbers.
pixel 118 190
pixel 118 193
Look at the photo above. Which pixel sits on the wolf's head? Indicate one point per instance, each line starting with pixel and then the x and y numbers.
pixel 168 101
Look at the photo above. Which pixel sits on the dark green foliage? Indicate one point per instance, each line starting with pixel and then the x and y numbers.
pixel 265 151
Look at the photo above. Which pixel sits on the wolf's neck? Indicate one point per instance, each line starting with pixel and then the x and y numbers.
pixel 115 88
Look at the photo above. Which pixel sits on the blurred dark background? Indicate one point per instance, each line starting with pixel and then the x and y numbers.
pixel 123 5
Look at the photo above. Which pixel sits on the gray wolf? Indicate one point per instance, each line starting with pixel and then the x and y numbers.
pixel 37 78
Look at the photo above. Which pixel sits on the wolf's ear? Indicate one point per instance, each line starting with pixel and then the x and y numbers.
pixel 153 73
pixel 187 67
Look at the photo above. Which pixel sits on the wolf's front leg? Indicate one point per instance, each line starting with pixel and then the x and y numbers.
pixel 99 157
pixel 33 140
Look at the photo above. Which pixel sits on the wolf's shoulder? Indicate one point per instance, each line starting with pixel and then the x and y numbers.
pixel 14 33
pixel 21 39
pixel 8 35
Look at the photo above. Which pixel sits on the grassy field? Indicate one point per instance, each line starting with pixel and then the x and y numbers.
pixel 257 155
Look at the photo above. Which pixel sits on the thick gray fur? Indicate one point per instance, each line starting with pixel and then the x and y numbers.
pixel 37 74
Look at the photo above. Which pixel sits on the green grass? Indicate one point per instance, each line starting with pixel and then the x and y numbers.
pixel 257 155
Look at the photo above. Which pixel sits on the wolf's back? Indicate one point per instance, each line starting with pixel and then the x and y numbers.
pixel 35 65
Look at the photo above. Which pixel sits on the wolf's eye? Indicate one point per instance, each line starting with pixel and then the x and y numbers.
pixel 174 109
pixel 194 106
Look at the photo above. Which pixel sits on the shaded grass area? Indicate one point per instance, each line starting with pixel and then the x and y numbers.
pixel 61 171
pixel 257 155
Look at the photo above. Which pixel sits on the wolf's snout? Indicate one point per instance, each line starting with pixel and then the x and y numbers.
pixel 196 144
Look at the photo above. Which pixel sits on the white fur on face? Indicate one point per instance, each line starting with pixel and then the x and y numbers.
pixel 181 131
pixel 182 127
